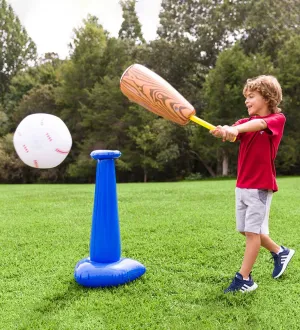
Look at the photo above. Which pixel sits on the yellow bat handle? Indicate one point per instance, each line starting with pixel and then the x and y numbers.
pixel 203 123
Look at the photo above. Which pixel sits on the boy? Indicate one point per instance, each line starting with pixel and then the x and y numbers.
pixel 259 137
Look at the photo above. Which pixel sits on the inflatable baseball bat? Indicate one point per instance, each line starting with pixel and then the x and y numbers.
pixel 152 92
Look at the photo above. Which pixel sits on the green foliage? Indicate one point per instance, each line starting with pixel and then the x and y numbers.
pixel 79 76
pixel 166 59
pixel 224 84
pixel 16 47
pixel 11 167
pixel 288 74
pixel 144 139
pixel 205 49
pixel 194 177
pixel 33 85
pixel 4 122
pixel 210 25
pixel 37 100
pixel 87 48
pixel 268 24
pixel 131 28
pixel 83 169
pixel 213 25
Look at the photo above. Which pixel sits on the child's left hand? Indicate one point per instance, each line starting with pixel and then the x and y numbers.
pixel 226 133
pixel 218 132
pixel 231 133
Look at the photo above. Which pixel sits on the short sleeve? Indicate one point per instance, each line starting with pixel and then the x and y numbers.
pixel 275 123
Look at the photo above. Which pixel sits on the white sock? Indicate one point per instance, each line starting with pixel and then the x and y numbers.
pixel 281 249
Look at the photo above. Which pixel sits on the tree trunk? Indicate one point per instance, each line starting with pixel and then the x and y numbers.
pixel 225 163
pixel 209 169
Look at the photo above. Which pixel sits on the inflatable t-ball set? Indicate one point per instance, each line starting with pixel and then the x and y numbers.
pixel 44 141
pixel 105 267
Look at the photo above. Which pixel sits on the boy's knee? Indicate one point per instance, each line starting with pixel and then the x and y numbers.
pixel 249 234
pixel 264 236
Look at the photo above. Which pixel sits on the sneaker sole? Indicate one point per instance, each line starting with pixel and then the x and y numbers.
pixel 288 259
pixel 252 288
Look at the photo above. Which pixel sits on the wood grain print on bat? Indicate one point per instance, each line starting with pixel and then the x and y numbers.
pixel 152 92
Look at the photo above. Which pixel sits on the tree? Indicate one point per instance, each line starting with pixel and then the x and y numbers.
pixel 211 25
pixel 90 97
pixel 12 169
pixel 131 28
pixel 80 74
pixel 144 139
pixel 288 158
pixel 86 51
pixel 40 99
pixel 268 24
pixel 45 72
pixel 16 47
pixel 4 122
pixel 214 25
pixel 178 64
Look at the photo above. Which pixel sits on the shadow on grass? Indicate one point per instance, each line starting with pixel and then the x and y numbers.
pixel 61 299
pixel 75 292
pixel 67 296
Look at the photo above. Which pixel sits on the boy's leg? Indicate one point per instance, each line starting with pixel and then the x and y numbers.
pixel 281 255
pixel 253 242
pixel 243 281
pixel 250 213
pixel 269 244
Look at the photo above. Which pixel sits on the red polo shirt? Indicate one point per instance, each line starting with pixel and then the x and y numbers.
pixel 257 153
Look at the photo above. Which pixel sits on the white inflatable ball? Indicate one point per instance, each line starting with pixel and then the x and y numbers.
pixel 42 140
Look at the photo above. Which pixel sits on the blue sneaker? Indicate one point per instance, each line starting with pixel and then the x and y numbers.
pixel 281 260
pixel 239 284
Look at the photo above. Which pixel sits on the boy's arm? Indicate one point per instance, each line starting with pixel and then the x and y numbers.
pixel 251 126
pixel 229 133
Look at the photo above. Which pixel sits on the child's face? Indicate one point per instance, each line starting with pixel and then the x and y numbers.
pixel 256 104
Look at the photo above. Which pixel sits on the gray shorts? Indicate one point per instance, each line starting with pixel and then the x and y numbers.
pixel 252 210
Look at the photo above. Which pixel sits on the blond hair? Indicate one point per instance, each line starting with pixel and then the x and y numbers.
pixel 268 87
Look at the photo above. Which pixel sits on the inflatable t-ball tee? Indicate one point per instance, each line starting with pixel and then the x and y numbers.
pixel 105 267
pixel 42 140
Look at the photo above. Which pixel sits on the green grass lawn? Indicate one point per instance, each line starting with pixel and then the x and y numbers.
pixel 184 233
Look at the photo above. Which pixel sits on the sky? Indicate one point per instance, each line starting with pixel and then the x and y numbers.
pixel 50 23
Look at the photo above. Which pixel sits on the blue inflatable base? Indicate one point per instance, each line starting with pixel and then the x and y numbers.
pixel 93 274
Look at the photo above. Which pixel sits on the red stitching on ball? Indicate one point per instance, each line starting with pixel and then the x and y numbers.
pixel 61 151
pixel 36 164
pixel 49 137
pixel 25 148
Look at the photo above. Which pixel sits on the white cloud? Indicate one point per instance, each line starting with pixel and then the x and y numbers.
pixel 50 22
